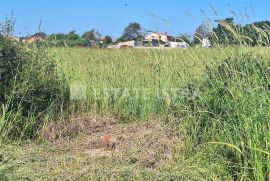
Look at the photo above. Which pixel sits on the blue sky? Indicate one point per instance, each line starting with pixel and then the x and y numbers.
pixel 111 16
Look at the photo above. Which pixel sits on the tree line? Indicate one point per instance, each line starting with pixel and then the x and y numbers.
pixel 226 32
pixel 87 39
pixel 92 38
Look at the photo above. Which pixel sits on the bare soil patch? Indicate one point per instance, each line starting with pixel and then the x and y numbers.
pixel 145 143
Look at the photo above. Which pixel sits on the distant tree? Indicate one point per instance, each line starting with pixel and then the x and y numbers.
pixel 7 27
pixel 229 33
pixel 222 34
pixel 131 32
pixel 40 34
pixel 108 39
pixel 89 35
pixel 97 34
pixel 121 39
pixel 57 36
pixel 203 31
pixel 72 35
pixel 257 33
pixel 92 35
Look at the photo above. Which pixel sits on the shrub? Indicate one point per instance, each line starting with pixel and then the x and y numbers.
pixel 12 60
pixel 40 85
pixel 31 87
pixel 232 110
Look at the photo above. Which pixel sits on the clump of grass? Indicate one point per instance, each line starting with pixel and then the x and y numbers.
pixel 231 110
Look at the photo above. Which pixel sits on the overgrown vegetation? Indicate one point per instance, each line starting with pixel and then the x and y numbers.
pixel 230 109
pixel 226 104
pixel 31 87
pixel 229 33
pixel 90 38
pixel 217 99
pixel 131 87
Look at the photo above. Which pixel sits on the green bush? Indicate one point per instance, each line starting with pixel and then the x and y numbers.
pixel 231 110
pixel 12 60
pixel 31 87
pixel 40 85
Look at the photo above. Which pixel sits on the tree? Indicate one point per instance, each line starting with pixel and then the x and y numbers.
pixel 223 34
pixel 131 32
pixel 72 35
pixel 108 39
pixel 92 35
pixel 203 31
pixel 57 36
pixel 40 35
pixel 257 33
pixel 89 35
pixel 229 33
pixel 7 27
pixel 120 39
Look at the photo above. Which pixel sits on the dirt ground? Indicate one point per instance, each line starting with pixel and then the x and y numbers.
pixel 148 143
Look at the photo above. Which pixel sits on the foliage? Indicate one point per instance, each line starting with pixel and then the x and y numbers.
pixel 57 36
pixel 157 70
pixel 88 39
pixel 224 32
pixel 81 42
pixel 131 32
pixel 40 35
pixel 257 33
pixel 221 107
pixel 72 35
pixel 31 87
pixel 203 31
pixel 229 33
pixel 130 89
pixel 108 39
pixel 231 109
pixel 11 63
pixel 7 27
pixel 92 35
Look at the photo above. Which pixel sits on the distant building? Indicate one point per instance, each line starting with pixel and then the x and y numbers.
pixel 206 42
pixel 154 39
pixel 101 39
pixel 164 37
pixel 183 45
pixel 127 44
pixel 32 39
pixel 157 39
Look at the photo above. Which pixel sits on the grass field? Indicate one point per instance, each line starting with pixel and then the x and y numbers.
pixel 169 125
pixel 137 85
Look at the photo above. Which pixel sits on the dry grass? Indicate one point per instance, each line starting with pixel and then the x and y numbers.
pixel 93 147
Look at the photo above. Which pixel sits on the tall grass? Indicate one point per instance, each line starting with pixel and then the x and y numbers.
pixel 219 97
pixel 221 104
pixel 231 111
pixel 31 89
pixel 228 112
pixel 135 85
